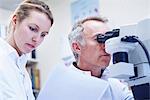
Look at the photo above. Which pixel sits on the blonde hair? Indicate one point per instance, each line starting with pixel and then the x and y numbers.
pixel 24 9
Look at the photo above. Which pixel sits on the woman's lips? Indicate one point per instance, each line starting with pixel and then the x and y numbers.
pixel 30 45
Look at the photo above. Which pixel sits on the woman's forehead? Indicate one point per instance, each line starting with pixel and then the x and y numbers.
pixel 38 18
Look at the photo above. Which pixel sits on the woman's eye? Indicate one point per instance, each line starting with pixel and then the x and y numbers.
pixel 43 35
pixel 33 29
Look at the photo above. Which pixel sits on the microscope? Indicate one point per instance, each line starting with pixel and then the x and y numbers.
pixel 129 47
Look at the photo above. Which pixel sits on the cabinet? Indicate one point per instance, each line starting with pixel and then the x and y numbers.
pixel 34 72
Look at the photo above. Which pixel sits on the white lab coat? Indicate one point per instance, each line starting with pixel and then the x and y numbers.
pixel 119 91
pixel 15 83
pixel 67 84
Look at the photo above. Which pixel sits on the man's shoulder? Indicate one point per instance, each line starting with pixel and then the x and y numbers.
pixel 116 81
pixel 120 89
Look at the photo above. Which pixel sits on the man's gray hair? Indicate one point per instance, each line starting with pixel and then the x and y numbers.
pixel 76 34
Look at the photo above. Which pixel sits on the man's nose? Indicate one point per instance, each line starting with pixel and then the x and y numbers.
pixel 102 45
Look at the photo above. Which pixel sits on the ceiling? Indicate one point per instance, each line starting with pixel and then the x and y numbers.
pixel 11 4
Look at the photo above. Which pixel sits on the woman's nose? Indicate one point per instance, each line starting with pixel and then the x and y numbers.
pixel 36 38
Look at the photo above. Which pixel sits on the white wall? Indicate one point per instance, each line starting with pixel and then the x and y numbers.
pixel 122 12
pixel 4 16
pixel 148 9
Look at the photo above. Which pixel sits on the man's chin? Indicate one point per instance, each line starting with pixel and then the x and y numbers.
pixel 103 66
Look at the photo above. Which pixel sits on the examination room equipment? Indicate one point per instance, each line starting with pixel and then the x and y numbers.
pixel 129 47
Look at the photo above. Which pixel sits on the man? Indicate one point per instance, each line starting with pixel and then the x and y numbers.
pixel 91 56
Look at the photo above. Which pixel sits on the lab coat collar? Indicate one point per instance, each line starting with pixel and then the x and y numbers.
pixel 6 46
pixel 105 74
pixel 13 54
pixel 75 67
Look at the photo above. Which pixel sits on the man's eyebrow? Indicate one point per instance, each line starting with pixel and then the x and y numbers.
pixel 94 37
pixel 97 33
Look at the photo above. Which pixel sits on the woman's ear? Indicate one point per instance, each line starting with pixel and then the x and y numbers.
pixel 14 20
pixel 76 47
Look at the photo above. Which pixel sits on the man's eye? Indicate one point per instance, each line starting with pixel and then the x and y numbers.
pixel 95 39
pixel 33 29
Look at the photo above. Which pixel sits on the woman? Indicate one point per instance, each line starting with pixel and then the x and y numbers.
pixel 29 25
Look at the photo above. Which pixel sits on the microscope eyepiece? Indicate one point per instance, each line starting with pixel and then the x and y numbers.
pixel 101 38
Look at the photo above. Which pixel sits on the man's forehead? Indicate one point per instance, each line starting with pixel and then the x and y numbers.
pixel 94 27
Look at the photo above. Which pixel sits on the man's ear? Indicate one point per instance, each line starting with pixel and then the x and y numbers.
pixel 76 47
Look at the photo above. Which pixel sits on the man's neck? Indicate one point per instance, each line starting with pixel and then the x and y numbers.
pixel 95 70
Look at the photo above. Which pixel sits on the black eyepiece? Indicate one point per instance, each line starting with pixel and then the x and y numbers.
pixel 101 38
